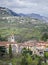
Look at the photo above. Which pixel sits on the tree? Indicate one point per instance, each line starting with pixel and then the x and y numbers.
pixel 45 56
pixel 10 51
pixel 26 51
pixel 3 38
pixel 40 61
pixel 2 50
pixel 29 59
pixel 44 37
pixel 26 60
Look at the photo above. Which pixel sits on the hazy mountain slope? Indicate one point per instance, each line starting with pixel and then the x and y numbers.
pixel 4 12
pixel 35 16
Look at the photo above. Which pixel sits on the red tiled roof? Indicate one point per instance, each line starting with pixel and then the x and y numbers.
pixel 29 43
pixel 3 43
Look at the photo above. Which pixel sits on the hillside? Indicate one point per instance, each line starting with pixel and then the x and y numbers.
pixel 24 28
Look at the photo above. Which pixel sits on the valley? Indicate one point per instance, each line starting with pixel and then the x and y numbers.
pixel 24 28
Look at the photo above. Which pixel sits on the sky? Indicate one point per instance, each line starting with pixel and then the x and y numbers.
pixel 27 6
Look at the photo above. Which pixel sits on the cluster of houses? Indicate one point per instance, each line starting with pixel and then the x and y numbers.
pixel 35 46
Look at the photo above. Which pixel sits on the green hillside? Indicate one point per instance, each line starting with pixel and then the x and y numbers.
pixel 24 28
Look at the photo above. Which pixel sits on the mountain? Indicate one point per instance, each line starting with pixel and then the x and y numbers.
pixel 4 12
pixel 35 16
pixel 7 12
pixel 38 16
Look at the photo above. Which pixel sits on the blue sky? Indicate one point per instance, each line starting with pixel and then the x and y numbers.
pixel 27 6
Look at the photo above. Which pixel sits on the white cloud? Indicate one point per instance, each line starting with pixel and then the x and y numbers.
pixel 26 6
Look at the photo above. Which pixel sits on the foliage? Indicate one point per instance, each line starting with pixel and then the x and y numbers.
pixel 45 36
pixel 2 51
pixel 10 51
pixel 40 61
pixel 2 38
pixel 46 55
pixel 26 60
pixel 26 51
pixel 23 60
pixel 29 59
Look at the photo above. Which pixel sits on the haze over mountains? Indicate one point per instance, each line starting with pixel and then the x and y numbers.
pixel 5 12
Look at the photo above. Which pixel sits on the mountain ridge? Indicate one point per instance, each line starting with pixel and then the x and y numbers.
pixel 8 12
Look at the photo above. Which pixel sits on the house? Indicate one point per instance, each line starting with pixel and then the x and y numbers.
pixel 13 44
pixel 35 46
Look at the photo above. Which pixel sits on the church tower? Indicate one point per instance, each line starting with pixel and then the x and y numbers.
pixel 11 38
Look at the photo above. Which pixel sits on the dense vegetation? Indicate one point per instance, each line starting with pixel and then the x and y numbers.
pixel 2 51
pixel 24 59
pixel 45 37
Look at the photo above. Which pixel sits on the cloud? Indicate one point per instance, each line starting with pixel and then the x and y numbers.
pixel 26 6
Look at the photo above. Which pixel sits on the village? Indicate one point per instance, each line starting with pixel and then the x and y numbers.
pixel 36 47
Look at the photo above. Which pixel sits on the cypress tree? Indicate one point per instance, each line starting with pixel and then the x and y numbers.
pixel 10 51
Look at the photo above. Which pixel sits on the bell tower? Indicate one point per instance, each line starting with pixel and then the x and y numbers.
pixel 11 38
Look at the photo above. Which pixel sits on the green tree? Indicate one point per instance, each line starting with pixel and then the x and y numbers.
pixel 3 38
pixel 44 37
pixel 46 55
pixel 40 61
pixel 10 51
pixel 29 59
pixel 26 60
pixel 26 51
pixel 2 50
